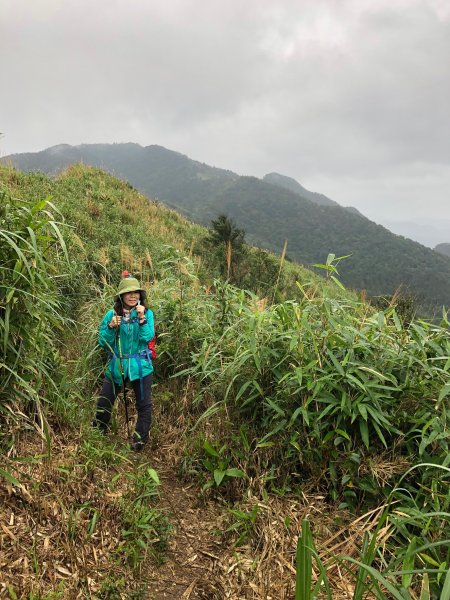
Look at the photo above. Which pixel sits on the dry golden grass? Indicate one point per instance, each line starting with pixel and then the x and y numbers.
pixel 45 543
pixel 39 550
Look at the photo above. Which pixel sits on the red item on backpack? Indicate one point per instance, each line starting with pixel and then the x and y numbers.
pixel 152 346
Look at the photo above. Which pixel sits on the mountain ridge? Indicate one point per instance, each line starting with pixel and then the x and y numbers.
pixel 293 185
pixel 380 263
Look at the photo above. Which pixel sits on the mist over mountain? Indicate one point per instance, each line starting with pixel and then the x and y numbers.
pixel 428 231
pixel 443 249
pixel 270 210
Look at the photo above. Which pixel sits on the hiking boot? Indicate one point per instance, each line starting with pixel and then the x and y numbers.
pixel 137 446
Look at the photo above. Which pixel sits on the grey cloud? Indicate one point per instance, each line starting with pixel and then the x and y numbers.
pixel 340 94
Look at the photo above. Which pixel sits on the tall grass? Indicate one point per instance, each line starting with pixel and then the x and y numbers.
pixel 31 317
pixel 330 391
pixel 328 382
pixel 378 572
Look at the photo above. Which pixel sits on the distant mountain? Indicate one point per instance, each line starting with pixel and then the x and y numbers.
pixel 429 231
pixel 270 214
pixel 443 249
pixel 293 185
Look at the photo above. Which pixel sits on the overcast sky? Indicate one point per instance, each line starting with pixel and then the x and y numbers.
pixel 349 97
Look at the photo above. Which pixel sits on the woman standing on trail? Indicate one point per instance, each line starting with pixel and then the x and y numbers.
pixel 125 332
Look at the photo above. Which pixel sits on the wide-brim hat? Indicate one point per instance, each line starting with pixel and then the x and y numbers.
pixel 128 283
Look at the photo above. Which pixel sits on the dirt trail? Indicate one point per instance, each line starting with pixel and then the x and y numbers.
pixel 190 568
pixel 198 564
pixel 203 565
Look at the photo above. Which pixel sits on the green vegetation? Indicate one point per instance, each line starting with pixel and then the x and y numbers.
pixel 30 309
pixel 287 386
pixel 394 581
pixel 270 214
pixel 49 369
pixel 291 184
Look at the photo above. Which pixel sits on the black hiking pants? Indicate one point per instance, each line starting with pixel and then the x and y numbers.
pixel 108 396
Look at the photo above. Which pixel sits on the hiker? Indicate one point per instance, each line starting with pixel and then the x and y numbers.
pixel 125 331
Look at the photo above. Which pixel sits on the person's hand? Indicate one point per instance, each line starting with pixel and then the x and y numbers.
pixel 140 312
pixel 115 321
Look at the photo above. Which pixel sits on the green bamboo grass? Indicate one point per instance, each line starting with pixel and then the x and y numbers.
pixel 385 585
pixel 31 312
pixel 378 571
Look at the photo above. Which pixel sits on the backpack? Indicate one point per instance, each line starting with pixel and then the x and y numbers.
pixel 152 345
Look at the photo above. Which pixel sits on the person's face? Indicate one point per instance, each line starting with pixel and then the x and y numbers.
pixel 130 299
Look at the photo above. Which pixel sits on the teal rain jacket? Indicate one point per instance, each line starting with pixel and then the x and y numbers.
pixel 128 345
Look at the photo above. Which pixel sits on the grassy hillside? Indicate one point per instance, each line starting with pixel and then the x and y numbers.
pixel 380 261
pixel 272 410
pixel 116 227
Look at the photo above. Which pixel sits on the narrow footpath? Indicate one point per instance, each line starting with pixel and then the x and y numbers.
pixel 191 569
pixel 200 562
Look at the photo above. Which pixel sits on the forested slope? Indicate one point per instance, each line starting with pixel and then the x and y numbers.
pixel 380 261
